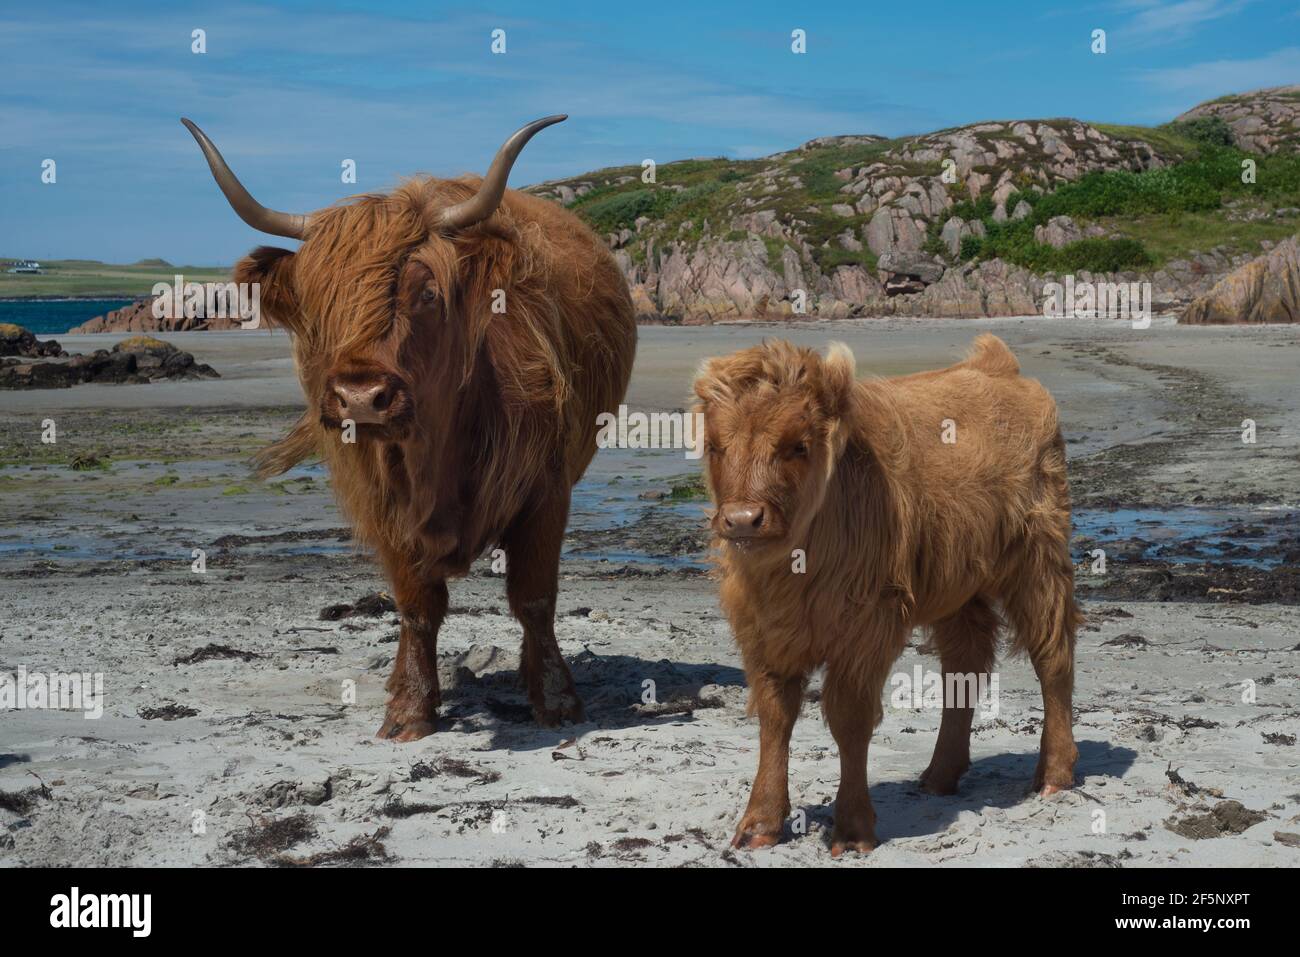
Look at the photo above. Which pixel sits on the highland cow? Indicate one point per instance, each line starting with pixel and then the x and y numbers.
pixel 849 513
pixel 456 342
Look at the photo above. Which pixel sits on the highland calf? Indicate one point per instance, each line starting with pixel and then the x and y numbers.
pixel 849 513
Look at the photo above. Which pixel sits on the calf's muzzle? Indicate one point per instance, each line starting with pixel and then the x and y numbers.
pixel 742 520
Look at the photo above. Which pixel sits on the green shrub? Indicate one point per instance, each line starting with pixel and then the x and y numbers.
pixel 621 210
pixel 1204 130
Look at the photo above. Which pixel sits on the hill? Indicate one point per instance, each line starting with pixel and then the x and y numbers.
pixel 90 279
pixel 960 222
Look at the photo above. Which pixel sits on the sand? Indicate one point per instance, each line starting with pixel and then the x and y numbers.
pixel 1187 695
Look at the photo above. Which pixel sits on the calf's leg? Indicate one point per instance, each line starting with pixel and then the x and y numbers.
pixel 532 548
pixel 775 699
pixel 852 709
pixel 1045 618
pixel 967 645
pixel 851 700
pixel 413 690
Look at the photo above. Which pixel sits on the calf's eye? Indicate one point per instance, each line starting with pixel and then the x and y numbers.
pixel 428 294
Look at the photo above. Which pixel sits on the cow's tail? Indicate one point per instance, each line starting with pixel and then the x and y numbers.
pixel 990 355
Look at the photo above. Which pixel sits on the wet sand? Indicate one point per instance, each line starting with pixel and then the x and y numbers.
pixel 278 761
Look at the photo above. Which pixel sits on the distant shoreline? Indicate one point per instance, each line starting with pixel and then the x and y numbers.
pixel 127 295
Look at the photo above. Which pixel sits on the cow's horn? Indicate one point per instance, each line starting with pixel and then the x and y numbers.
pixel 292 225
pixel 485 202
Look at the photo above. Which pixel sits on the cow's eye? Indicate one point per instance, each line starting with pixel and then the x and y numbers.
pixel 799 451
pixel 714 449
pixel 428 294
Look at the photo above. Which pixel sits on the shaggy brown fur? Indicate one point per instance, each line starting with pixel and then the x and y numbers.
pixel 491 415
pixel 899 530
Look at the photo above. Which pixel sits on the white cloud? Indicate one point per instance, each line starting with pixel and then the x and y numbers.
pixel 1200 81
pixel 1154 23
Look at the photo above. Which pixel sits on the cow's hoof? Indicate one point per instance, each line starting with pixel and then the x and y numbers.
pixel 756 831
pixel 394 729
pixel 1047 790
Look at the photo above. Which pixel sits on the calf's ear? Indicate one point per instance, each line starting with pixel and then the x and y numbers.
pixel 272 269
pixel 708 386
pixel 838 371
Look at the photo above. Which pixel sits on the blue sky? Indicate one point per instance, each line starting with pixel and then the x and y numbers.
pixel 290 89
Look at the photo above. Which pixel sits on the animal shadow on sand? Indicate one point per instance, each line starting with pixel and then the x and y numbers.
pixel 613 692
pixel 998 780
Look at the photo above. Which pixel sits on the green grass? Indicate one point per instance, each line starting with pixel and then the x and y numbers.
pixel 1169 236
pixel 1157 215
pixel 87 278
pixel 688 488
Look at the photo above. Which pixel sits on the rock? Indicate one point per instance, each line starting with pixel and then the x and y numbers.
pixel 917 266
pixel 1059 231
pixel 955 230
pixel 893 228
pixel 139 317
pixel 17 341
pixel 1022 210
pixel 1266 289
pixel 136 360
pixel 1264 121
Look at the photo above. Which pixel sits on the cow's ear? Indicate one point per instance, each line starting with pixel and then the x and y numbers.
pixel 839 369
pixel 272 269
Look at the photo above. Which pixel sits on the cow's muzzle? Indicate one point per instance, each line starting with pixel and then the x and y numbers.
pixel 367 398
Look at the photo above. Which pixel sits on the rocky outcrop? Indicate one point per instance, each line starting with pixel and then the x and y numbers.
pixel 137 360
pixel 1266 289
pixel 1060 231
pixel 17 341
pixel 139 317
pixel 1265 121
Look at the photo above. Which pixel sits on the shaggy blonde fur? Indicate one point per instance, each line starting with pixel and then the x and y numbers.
pixel 898 529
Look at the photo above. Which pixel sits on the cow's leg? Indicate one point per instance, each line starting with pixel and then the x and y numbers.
pixel 776 700
pixel 1044 618
pixel 532 548
pixel 967 646
pixel 413 686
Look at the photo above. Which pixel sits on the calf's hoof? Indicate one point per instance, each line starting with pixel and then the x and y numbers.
pixel 863 846
pixel 550 713
pixel 553 696
pixel 1048 779
pixel 941 781
pixel 757 830
pixel 406 731
pixel 406 727
pixel 855 830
